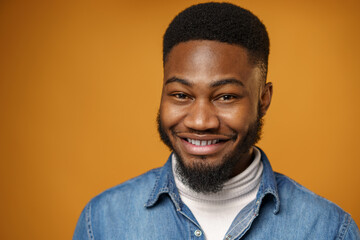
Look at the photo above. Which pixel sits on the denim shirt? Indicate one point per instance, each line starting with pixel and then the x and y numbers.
pixel 149 207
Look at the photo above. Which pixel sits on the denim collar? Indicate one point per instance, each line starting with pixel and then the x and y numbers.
pixel 165 184
pixel 268 185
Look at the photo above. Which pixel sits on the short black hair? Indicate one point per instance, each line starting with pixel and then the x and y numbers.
pixel 223 22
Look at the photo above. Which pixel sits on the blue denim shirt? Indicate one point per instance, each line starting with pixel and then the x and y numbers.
pixel 149 207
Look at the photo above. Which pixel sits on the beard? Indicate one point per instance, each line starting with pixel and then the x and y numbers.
pixel 203 177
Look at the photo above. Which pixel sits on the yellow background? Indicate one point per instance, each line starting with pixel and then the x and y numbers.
pixel 80 85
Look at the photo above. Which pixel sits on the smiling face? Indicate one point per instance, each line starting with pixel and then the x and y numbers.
pixel 211 106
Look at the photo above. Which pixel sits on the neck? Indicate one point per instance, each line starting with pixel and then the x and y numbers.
pixel 243 163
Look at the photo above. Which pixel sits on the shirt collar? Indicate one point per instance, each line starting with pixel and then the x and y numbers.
pixel 165 184
pixel 268 185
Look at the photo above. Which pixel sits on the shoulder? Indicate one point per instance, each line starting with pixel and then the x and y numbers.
pixel 303 197
pixel 112 211
pixel 311 209
pixel 136 189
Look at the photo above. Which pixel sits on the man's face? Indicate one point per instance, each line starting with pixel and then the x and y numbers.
pixel 211 106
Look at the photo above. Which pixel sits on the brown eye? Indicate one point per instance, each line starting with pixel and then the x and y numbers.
pixel 180 95
pixel 227 97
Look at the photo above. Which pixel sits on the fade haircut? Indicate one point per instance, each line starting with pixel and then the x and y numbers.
pixel 223 22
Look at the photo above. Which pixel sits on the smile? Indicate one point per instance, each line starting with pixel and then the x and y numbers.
pixel 204 145
pixel 202 142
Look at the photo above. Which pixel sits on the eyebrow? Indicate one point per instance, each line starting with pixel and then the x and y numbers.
pixel 178 80
pixel 226 81
pixel 213 84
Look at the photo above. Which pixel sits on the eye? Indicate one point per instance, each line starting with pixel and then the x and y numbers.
pixel 227 97
pixel 180 95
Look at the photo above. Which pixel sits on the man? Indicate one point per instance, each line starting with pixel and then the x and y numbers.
pixel 216 184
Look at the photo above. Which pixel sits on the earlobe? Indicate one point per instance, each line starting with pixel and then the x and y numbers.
pixel 265 98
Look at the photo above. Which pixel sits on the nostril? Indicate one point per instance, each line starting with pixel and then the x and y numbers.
pixel 202 121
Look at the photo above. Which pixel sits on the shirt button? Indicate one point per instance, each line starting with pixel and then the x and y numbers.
pixel 197 233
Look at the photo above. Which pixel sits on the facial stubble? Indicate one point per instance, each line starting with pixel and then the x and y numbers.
pixel 205 178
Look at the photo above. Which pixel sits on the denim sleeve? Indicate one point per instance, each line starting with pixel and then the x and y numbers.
pixel 352 232
pixel 83 230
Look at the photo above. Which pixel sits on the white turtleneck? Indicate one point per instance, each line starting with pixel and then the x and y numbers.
pixel 216 211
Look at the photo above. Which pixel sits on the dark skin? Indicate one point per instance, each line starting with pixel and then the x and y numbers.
pixel 210 97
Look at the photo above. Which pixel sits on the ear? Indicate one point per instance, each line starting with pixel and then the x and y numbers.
pixel 265 98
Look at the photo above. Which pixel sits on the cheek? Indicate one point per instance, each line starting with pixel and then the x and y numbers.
pixel 171 115
pixel 238 119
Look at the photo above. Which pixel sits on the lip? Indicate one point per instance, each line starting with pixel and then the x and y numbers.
pixel 206 137
pixel 210 149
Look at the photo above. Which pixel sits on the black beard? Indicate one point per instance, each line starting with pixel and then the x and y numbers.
pixel 204 178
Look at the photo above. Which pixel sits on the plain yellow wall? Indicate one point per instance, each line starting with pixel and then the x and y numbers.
pixel 80 85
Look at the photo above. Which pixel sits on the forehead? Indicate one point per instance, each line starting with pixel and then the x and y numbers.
pixel 208 60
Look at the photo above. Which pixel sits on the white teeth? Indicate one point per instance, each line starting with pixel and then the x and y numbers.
pixel 202 142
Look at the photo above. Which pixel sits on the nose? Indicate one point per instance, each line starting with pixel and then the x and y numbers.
pixel 202 116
